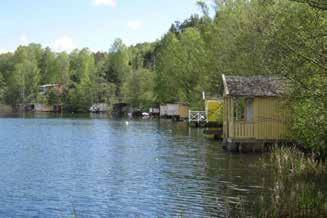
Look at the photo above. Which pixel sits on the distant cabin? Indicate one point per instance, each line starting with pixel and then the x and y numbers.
pixel 163 110
pixel 44 89
pixel 177 110
pixel 99 108
pixel 154 111
pixel 253 109
pixel 120 109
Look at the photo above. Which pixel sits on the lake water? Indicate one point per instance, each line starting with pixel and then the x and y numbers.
pixel 93 167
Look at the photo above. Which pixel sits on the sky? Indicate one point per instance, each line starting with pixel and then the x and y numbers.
pixel 67 24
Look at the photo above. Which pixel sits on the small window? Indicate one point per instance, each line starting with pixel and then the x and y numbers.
pixel 249 110
pixel 239 109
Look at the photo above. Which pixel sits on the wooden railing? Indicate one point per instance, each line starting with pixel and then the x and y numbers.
pixel 242 129
pixel 197 117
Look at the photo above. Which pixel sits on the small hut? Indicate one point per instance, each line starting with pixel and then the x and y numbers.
pixel 120 109
pixel 57 88
pixel 154 112
pixel 178 111
pixel 253 109
pixel 42 108
pixel 99 108
pixel 163 110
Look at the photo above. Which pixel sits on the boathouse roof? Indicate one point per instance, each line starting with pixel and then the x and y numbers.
pixel 254 86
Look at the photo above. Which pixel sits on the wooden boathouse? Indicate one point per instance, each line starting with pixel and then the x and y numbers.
pixel 176 111
pixel 213 109
pixel 253 109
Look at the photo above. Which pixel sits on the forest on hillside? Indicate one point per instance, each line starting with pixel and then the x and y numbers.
pixel 287 38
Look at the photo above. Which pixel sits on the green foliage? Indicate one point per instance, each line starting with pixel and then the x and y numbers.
pixel 6 65
pixel 138 89
pixel 310 124
pixel 181 68
pixel 3 89
pixel 166 84
pixel 23 83
pixel 47 70
pixel 297 44
pixel 318 4
pixel 118 66
pixel 53 97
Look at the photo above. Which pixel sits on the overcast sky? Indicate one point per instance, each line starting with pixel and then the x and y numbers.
pixel 69 24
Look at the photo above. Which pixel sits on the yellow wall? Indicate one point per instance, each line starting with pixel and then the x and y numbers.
pixel 269 120
pixel 183 111
pixel 213 108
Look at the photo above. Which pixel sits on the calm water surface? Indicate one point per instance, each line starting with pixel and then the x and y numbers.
pixel 106 168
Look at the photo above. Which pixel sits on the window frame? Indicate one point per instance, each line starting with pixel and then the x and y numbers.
pixel 240 110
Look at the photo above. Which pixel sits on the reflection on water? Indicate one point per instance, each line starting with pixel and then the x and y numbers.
pixel 103 167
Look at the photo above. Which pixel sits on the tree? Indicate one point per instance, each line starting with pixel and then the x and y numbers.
pixel 24 80
pixel 138 89
pixel 166 86
pixel 61 66
pixel 318 4
pixel 78 96
pixel 47 70
pixel 191 71
pixel 3 89
pixel 204 7
pixel 298 46
pixel 118 66
pixel 24 83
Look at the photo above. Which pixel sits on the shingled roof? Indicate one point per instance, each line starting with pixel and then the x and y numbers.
pixel 253 86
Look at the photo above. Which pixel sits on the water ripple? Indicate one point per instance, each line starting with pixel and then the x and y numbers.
pixel 103 168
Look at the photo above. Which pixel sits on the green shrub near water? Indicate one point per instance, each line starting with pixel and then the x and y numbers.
pixel 292 162
pixel 299 188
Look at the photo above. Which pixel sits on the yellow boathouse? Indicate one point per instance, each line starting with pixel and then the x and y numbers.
pixel 213 109
pixel 253 109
